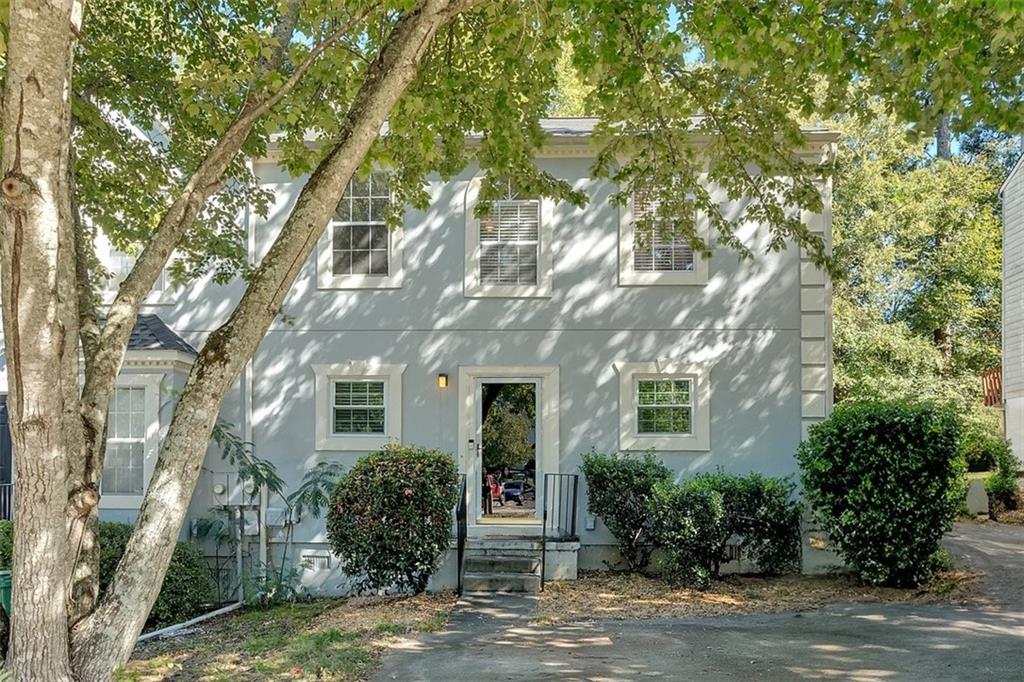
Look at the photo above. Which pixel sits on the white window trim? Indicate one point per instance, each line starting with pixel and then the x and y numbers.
pixel 700 397
pixel 326 375
pixel 698 276
pixel 474 288
pixel 151 382
pixel 326 279
pixel 167 296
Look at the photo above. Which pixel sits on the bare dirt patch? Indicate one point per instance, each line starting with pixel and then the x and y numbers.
pixel 617 596
pixel 329 639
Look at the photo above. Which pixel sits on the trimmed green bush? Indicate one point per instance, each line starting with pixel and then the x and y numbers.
pixel 389 518
pixel 762 512
pixel 884 480
pixel 1002 487
pixel 620 490
pixel 686 522
pixel 188 587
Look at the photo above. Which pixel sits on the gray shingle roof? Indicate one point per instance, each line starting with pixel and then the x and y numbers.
pixel 150 333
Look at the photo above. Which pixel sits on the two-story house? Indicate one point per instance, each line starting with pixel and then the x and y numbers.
pixel 623 343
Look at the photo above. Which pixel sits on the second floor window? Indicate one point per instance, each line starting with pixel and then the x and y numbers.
pixel 653 249
pixel 360 239
pixel 510 239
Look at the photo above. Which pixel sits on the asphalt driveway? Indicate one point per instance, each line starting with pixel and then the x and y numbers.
pixel 490 638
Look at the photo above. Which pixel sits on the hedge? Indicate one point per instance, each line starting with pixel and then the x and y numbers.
pixel 885 480
pixel 187 588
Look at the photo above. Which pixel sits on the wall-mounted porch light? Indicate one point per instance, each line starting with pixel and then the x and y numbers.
pixel 442 381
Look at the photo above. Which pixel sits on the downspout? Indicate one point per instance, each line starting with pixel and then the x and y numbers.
pixel 250 219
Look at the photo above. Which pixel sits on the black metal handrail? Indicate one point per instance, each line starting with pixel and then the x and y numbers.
pixel 561 493
pixel 461 531
pixel 6 501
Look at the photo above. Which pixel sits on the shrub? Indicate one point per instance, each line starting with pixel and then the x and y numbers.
pixel 187 588
pixel 621 487
pixel 763 513
pixel 1002 487
pixel 884 480
pixel 981 446
pixel 389 517
pixel 686 525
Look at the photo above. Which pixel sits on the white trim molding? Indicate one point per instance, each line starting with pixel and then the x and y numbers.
pixel 324 378
pixel 699 440
pixel 548 452
pixel 152 385
pixel 628 277
pixel 816 393
pixel 474 288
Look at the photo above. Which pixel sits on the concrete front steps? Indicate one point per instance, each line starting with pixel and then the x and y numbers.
pixel 496 573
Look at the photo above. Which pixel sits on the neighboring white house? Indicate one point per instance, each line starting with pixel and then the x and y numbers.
pixel 1012 195
pixel 540 292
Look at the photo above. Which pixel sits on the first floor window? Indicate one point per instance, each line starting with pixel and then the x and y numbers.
pixel 126 442
pixel 359 407
pixel 664 406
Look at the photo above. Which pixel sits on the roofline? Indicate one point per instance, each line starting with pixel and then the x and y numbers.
pixel 1013 171
pixel 561 138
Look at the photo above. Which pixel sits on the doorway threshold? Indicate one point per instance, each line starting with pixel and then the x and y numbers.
pixel 507 521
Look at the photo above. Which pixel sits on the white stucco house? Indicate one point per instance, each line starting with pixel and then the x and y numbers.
pixel 390 336
pixel 1012 195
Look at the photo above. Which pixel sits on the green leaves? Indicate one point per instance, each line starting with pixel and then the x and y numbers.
pixel 390 517
pixel 885 480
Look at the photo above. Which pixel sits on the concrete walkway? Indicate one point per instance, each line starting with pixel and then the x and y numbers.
pixel 490 638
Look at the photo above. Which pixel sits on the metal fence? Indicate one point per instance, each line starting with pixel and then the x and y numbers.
pixel 561 493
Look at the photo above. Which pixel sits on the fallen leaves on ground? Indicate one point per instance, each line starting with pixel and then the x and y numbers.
pixel 619 596
pixel 327 639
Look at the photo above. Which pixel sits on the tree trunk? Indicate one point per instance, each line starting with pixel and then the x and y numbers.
pixel 942 337
pixel 106 638
pixel 40 326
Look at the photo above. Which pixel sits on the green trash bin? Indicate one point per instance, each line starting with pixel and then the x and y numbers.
pixel 5 592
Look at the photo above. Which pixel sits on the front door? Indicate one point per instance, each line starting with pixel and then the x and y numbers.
pixel 506 421
pixel 505 449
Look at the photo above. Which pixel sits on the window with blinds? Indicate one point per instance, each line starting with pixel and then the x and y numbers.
pixel 510 240
pixel 360 239
pixel 359 407
pixel 664 406
pixel 653 250
pixel 126 442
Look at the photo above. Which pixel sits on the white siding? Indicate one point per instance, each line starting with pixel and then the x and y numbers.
pixel 1013 307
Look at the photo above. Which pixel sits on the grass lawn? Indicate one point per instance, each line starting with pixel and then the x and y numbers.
pixel 329 639
pixel 618 596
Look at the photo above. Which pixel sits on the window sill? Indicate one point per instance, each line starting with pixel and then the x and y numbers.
pixel 690 443
pixel 354 443
pixel 506 291
pixel 632 278
pixel 358 282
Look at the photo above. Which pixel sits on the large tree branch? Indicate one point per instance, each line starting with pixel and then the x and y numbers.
pixel 107 637
pixel 111 343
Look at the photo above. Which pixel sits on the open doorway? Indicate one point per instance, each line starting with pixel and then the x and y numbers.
pixel 508 450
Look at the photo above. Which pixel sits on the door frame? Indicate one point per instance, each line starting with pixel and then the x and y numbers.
pixel 547 455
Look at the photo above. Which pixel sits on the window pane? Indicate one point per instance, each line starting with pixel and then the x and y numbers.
pixel 342 237
pixel 342 263
pixel 360 262
pixel 378 262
